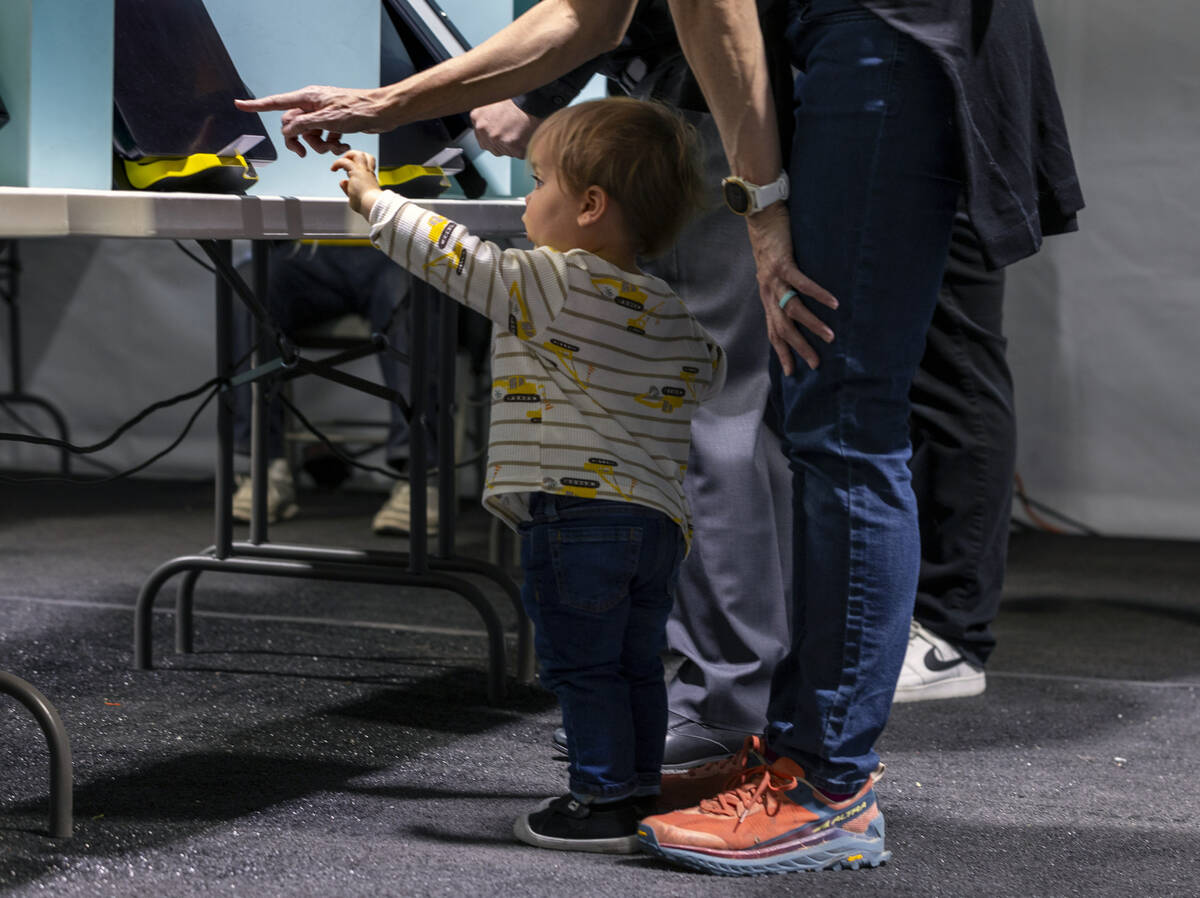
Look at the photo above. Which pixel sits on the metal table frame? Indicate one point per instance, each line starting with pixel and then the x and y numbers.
pixel 259 556
pixel 10 281
pixel 61 796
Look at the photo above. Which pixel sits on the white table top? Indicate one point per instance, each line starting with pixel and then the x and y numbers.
pixel 39 212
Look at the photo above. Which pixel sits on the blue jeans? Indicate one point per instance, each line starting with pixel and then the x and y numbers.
pixel 875 173
pixel 600 579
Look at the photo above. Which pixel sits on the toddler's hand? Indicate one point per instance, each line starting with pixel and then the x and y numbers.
pixel 360 184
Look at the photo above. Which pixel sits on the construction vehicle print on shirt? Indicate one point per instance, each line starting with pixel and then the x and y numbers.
pixel 519 389
pixel 638 325
pixel 494 476
pixel 626 294
pixel 578 486
pixel 520 324
pixel 565 353
pixel 441 232
pixel 688 376
pixel 605 469
pixel 665 399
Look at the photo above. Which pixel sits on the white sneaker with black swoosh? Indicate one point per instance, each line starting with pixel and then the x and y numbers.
pixel 933 668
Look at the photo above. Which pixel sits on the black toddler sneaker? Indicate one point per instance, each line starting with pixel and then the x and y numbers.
pixel 568 824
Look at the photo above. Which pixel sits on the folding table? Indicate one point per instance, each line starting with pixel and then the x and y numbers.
pixel 214 221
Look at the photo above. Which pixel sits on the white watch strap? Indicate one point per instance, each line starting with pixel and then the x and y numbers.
pixel 770 193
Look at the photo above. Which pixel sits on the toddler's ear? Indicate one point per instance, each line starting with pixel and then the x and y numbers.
pixel 593 204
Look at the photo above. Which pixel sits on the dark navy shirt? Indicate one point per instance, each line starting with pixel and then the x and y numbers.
pixel 649 64
pixel 1021 181
pixel 1020 177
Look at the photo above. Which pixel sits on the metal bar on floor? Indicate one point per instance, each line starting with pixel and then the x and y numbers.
pixel 61 794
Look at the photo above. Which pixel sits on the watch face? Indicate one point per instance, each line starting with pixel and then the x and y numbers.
pixel 737 197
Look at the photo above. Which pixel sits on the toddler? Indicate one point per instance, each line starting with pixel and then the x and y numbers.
pixel 597 371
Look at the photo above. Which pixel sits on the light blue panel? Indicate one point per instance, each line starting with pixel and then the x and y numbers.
pixel 16 17
pixel 66 111
pixel 478 20
pixel 71 94
pixel 281 45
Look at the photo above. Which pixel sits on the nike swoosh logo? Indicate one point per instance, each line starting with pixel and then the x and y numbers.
pixel 934 663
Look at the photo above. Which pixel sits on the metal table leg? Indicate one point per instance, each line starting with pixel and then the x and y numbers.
pixel 10 274
pixel 61 796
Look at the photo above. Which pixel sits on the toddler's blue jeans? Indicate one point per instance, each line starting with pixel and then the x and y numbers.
pixel 600 579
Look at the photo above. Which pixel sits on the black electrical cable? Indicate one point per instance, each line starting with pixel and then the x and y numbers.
pixel 354 462
pixel 187 252
pixel 348 459
pixel 1032 507
pixel 1046 509
pixel 216 389
pixel 11 412
pixel 116 434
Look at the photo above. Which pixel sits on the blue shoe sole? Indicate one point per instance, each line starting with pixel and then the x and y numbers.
pixel 839 850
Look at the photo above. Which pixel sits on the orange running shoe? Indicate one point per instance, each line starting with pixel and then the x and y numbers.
pixel 771 820
pixel 683 790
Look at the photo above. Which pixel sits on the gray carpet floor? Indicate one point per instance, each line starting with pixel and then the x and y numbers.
pixel 335 739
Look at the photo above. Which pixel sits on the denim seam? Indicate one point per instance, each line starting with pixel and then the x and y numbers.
pixel 835 720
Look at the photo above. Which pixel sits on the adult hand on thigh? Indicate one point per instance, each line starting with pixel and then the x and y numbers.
pixel 771 241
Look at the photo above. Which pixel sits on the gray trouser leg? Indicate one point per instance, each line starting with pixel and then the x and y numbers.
pixel 730 617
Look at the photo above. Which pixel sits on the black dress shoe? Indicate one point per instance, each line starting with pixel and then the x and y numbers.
pixel 687 745
pixel 691 744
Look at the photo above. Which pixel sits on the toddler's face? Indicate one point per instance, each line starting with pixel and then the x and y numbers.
pixel 551 213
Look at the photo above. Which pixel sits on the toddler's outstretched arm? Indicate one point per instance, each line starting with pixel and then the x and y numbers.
pixel 520 290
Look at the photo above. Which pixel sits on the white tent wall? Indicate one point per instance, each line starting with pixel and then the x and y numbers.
pixel 112 326
pixel 1102 325
pixel 109 327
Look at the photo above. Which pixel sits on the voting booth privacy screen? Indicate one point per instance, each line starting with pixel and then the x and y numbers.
pixel 176 128
pixel 415 35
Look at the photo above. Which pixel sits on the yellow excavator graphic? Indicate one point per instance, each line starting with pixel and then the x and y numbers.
pixel 441 231
pixel 626 294
pixel 520 389
pixel 688 376
pixel 577 486
pixel 605 469
pixel 666 399
pixel 565 353
pixel 522 326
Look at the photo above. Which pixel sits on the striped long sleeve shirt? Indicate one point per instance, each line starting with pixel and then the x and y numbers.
pixel 596 370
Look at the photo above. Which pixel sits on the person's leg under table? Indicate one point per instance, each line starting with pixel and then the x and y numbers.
pixel 383 295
